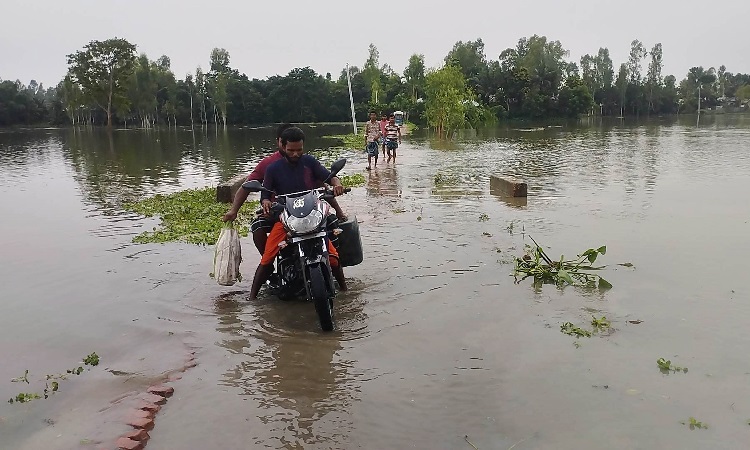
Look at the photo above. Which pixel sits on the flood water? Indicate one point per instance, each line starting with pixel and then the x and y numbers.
pixel 436 344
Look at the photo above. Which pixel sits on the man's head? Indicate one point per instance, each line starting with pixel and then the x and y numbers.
pixel 283 127
pixel 293 143
pixel 392 119
pixel 383 117
pixel 373 116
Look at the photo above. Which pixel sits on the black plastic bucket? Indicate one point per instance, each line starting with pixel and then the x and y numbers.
pixel 349 243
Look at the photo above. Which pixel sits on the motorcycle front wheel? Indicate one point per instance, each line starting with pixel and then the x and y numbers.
pixel 319 295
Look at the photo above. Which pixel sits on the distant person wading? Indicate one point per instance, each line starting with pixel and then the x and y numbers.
pixel 373 134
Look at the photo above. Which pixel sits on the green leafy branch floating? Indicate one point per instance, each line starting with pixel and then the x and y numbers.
pixel 694 423
pixel 535 263
pixel 578 332
pixel 50 387
pixel 572 330
pixel 666 366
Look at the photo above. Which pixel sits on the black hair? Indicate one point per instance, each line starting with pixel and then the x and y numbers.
pixel 373 112
pixel 283 127
pixel 292 134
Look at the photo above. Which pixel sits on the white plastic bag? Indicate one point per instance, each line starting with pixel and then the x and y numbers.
pixel 227 257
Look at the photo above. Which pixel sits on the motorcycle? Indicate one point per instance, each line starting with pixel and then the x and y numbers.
pixel 302 265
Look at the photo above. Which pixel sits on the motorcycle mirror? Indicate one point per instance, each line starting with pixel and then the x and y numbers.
pixel 253 186
pixel 337 166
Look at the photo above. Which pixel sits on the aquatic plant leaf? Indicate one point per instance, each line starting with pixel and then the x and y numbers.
pixel 565 276
pixel 604 285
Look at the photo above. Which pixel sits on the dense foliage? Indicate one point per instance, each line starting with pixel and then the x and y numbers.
pixel 532 80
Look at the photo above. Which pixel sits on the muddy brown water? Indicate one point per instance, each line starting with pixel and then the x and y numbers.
pixel 435 342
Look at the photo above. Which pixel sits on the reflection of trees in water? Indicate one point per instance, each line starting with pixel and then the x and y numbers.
pixel 126 164
pixel 294 375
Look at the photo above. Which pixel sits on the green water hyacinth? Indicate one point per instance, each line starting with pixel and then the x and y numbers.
pixel 192 216
pixel 352 180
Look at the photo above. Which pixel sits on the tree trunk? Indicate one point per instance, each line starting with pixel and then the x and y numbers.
pixel 191 110
pixel 109 101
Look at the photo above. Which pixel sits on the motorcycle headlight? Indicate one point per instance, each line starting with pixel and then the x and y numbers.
pixel 307 224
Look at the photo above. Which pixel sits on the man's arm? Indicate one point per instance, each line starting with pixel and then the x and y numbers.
pixel 399 135
pixel 268 182
pixel 239 200
pixel 338 188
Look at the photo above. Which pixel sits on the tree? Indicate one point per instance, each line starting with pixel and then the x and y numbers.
pixel 699 77
pixel 721 75
pixel 637 53
pixel 743 93
pixel 372 73
pixel 604 70
pixel 218 81
pixel 200 88
pixel 588 73
pixel 71 98
pixel 217 89
pixel 414 75
pixel 469 57
pixel 102 70
pixel 220 60
pixel 622 86
pixel 447 96
pixel 575 98
pixel 544 62
pixel 191 91
pixel 653 79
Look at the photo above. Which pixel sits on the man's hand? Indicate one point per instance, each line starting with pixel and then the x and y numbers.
pixel 338 189
pixel 267 207
pixel 229 216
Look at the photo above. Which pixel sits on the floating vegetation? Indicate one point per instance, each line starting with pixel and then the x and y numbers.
pixel 572 330
pixel 349 141
pixel 352 180
pixel 694 423
pixel 535 263
pixel 446 179
pixel 50 385
pixel 327 156
pixel 666 366
pixel 600 324
pixel 484 217
pixel 192 216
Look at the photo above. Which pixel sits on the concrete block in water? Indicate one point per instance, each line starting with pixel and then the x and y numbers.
pixel 225 191
pixel 508 186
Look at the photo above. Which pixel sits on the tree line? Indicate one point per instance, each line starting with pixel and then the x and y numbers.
pixel 109 83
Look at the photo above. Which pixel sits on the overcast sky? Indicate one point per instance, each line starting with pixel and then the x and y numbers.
pixel 266 38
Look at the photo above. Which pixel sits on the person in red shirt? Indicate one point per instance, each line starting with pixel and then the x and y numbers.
pixel 383 124
pixel 263 224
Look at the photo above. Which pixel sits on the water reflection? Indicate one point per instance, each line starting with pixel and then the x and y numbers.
pixel 383 181
pixel 301 384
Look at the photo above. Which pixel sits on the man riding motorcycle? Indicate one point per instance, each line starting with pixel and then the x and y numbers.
pixel 263 224
pixel 294 173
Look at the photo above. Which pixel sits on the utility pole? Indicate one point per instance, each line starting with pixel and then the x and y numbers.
pixel 351 99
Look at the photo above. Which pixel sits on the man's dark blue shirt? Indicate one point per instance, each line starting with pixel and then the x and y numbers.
pixel 284 177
